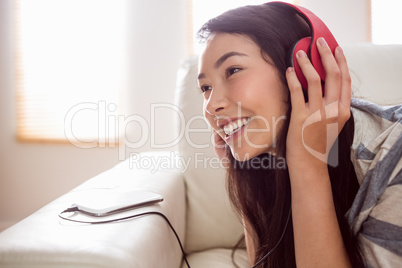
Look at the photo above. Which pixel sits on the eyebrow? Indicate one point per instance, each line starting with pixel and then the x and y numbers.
pixel 221 60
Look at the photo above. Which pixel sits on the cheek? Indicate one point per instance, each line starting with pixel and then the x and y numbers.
pixel 244 89
pixel 271 95
pixel 209 118
pixel 261 86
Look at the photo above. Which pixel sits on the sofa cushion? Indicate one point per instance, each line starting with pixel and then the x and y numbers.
pixel 220 257
pixel 210 220
pixel 376 72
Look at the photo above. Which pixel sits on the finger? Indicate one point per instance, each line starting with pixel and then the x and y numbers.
pixel 313 80
pixel 296 91
pixel 346 83
pixel 332 72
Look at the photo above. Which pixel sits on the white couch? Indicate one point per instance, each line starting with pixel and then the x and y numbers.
pixel 195 198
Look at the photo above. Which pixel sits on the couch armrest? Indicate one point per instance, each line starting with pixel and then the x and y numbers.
pixel 45 240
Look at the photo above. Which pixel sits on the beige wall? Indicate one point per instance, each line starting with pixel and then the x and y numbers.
pixel 32 175
pixel 349 20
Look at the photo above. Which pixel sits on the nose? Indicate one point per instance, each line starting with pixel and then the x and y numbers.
pixel 216 102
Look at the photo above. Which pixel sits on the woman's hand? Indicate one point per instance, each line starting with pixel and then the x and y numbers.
pixel 315 125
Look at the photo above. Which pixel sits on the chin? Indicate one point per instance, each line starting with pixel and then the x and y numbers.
pixel 242 155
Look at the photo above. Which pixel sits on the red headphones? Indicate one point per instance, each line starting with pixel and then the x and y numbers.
pixel 309 44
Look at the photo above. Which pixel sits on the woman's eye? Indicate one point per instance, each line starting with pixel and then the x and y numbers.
pixel 205 88
pixel 232 70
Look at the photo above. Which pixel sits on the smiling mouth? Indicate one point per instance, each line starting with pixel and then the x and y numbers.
pixel 235 126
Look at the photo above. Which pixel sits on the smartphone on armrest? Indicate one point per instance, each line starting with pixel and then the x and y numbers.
pixel 104 203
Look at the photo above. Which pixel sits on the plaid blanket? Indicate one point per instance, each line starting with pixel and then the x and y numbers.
pixel 376 213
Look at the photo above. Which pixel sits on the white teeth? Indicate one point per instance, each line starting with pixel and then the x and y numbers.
pixel 235 126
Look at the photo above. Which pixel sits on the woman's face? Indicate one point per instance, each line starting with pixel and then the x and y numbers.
pixel 244 99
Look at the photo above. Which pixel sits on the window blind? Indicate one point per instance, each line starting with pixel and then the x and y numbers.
pixel 69 69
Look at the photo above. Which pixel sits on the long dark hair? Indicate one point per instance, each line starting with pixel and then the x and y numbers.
pixel 261 193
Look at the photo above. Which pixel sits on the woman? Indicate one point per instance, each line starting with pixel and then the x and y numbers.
pixel 317 209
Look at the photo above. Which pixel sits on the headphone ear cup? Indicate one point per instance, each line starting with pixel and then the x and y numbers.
pixel 309 45
pixel 302 44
